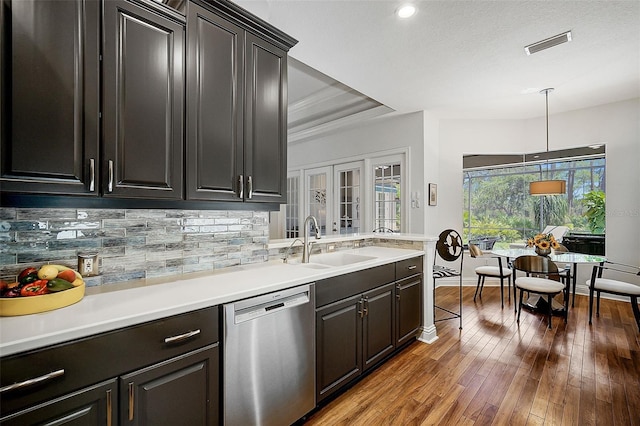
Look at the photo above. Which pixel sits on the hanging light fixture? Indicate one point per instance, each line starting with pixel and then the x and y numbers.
pixel 547 187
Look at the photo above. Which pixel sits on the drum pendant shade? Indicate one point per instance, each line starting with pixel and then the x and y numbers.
pixel 547 187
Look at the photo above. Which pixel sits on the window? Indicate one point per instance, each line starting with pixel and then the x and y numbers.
pixel 347 179
pixel 319 197
pixel 350 197
pixel 497 201
pixel 292 227
pixel 388 204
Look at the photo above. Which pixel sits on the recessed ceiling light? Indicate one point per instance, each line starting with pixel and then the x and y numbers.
pixel 406 11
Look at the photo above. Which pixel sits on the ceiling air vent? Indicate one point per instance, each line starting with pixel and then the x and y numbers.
pixel 547 43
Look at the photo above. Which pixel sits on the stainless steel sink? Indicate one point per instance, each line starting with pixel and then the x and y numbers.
pixel 327 260
pixel 339 259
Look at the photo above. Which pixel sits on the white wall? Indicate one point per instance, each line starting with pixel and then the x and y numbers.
pixel 375 136
pixel 437 146
pixel 617 125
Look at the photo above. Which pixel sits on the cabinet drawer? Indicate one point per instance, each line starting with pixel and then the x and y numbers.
pixel 80 363
pixel 342 286
pixel 408 267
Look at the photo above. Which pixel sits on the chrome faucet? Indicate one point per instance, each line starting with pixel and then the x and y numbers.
pixel 285 259
pixel 306 247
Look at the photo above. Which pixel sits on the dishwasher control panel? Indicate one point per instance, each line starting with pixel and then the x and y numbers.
pixel 257 311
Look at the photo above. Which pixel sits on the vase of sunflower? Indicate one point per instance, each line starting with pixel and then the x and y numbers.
pixel 543 243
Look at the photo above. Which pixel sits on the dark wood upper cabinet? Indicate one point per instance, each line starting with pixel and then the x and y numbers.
pixel 133 103
pixel 214 106
pixel 143 78
pixel 49 92
pixel 236 114
pixel 265 139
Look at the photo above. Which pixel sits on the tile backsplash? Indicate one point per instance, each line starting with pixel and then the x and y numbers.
pixel 132 244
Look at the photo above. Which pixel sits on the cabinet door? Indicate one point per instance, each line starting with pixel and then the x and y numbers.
pixel 49 95
pixel 143 81
pixel 408 308
pixel 339 343
pixel 181 391
pixel 214 107
pixel 378 331
pixel 265 140
pixel 94 405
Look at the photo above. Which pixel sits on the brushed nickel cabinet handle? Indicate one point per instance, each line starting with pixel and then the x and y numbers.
pixel 109 407
pixel 34 381
pixel 131 402
pixel 365 309
pixel 241 186
pixel 360 310
pixel 110 184
pixel 181 337
pixel 92 173
pixel 250 186
pixel 412 267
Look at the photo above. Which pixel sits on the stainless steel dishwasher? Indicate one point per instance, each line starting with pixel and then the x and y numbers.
pixel 269 358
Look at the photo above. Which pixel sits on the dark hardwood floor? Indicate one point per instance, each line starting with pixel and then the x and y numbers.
pixel 496 372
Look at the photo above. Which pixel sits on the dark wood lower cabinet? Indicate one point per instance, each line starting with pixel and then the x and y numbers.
pixel 408 308
pixel 164 371
pixel 339 345
pixel 180 391
pixel 353 335
pixel 362 319
pixel 378 338
pixel 95 405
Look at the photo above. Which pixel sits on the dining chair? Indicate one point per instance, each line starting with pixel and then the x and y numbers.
pixel 564 269
pixel 448 249
pixel 542 278
pixel 490 271
pixel 598 285
pixel 383 229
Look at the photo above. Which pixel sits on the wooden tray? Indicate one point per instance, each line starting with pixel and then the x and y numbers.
pixel 34 304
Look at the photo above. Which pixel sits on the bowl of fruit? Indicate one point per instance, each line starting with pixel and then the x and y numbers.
pixel 39 290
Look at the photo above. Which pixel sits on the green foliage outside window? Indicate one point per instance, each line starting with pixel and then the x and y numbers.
pixel 497 201
pixel 594 201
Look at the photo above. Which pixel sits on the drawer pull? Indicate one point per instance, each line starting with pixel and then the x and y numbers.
pixel 240 186
pixel 110 183
pixel 33 381
pixel 250 186
pixel 412 267
pixel 92 173
pixel 109 407
pixel 181 337
pixel 131 400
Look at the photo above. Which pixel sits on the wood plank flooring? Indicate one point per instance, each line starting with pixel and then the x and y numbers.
pixel 496 372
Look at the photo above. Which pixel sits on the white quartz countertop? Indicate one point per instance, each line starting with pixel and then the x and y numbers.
pixel 107 308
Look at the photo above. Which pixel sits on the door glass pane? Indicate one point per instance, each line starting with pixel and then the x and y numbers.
pixel 349 190
pixel 387 197
pixel 318 200
pixel 291 221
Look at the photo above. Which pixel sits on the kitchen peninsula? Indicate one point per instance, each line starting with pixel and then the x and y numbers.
pixel 152 306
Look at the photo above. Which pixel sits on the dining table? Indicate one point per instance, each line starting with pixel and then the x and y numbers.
pixel 558 257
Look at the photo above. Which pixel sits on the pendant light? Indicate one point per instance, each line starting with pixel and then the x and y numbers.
pixel 547 187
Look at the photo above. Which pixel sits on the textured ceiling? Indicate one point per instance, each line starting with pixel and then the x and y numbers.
pixel 465 59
